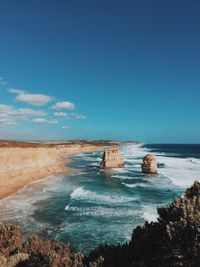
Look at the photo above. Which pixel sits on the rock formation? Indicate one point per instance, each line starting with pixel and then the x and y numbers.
pixel 149 164
pixel 112 158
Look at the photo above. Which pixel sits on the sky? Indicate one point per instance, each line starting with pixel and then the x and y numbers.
pixel 109 69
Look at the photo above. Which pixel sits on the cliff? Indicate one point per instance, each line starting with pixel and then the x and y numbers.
pixel 22 162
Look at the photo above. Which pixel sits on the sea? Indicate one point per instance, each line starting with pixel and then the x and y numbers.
pixel 91 206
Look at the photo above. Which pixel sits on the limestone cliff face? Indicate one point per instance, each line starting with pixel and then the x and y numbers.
pixel 112 158
pixel 21 163
pixel 149 164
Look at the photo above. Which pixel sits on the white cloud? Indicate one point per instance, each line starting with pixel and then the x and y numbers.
pixel 63 105
pixel 7 120
pixel 52 122
pixel 34 99
pixel 78 116
pixel 61 114
pixel 39 120
pixel 2 82
pixel 42 120
pixel 27 112
pixel 3 115
pixel 15 91
pixel 11 116
pixel 21 112
pixel 75 116
pixel 65 127
pixel 88 128
pixel 5 108
pixel 10 123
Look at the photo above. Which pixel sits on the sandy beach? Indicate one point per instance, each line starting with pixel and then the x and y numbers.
pixel 23 162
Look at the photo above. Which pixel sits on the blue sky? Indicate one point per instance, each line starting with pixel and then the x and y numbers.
pixel 127 70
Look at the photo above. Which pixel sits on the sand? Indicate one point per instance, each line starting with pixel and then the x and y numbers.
pixel 21 162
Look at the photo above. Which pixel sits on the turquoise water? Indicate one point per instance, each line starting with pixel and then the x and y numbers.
pixel 92 206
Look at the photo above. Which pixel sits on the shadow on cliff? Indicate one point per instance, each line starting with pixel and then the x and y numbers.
pixel 173 241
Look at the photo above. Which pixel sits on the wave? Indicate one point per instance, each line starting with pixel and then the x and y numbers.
pixel 103 211
pixel 122 177
pixel 135 185
pixel 94 159
pixel 149 213
pixel 81 194
pixel 133 151
pixel 181 171
pixel 194 160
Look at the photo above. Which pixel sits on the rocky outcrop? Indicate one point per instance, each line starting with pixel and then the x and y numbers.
pixel 112 158
pixel 149 164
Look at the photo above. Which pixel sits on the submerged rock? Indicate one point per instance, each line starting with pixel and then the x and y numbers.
pixel 149 164
pixel 112 158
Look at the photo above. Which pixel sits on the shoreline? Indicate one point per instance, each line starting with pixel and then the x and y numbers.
pixel 21 162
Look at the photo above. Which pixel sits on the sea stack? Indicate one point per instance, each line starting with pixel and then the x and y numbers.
pixel 112 158
pixel 149 164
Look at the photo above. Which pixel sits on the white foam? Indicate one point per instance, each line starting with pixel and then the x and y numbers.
pixel 135 185
pixel 122 177
pixel 119 170
pixel 95 164
pixel 133 151
pixel 149 213
pixel 193 160
pixel 81 194
pixel 78 173
pixel 181 171
pixel 103 211
pixel 89 158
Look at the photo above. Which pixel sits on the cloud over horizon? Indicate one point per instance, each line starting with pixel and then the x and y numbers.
pixel 18 114
pixel 11 116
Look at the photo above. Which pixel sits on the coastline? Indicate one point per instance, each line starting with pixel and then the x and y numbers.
pixel 23 162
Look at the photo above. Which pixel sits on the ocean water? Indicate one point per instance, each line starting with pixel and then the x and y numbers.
pixel 91 206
